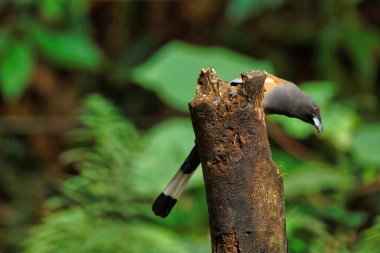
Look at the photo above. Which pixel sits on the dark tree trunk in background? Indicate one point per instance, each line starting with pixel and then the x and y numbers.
pixel 244 187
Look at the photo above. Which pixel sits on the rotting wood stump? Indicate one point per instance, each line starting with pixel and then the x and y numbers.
pixel 244 187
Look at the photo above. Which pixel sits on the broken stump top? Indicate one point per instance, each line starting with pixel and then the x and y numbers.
pixel 221 93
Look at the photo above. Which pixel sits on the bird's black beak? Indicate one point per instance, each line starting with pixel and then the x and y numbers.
pixel 317 122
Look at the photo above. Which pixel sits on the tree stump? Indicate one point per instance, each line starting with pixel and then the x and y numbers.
pixel 244 187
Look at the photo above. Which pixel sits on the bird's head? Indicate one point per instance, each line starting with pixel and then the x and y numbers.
pixel 285 98
pixel 308 111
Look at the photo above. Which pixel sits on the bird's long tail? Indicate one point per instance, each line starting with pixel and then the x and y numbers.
pixel 168 198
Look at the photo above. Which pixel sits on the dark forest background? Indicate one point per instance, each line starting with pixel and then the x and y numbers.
pixel 94 119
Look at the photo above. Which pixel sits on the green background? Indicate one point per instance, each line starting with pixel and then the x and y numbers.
pixel 94 119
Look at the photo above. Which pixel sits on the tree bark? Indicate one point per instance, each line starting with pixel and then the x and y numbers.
pixel 244 187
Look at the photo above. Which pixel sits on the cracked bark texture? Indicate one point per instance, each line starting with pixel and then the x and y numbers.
pixel 244 187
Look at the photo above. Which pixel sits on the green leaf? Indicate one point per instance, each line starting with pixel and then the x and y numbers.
pixel 239 10
pixel 322 92
pixel 312 177
pixel 172 72
pixel 366 144
pixel 68 49
pixel 293 127
pixel 339 122
pixel 15 71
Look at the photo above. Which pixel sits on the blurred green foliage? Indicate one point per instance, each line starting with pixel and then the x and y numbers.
pixel 333 195
pixel 170 72
pixel 239 10
pixel 370 242
pixel 366 144
pixel 72 49
pixel 107 207
pixel 121 171
pixel 28 36
pixel 15 70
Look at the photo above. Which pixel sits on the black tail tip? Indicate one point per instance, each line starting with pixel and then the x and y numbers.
pixel 163 205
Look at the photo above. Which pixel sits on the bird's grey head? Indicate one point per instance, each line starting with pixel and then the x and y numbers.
pixel 291 101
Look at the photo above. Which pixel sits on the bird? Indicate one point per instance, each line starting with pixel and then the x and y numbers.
pixel 280 97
